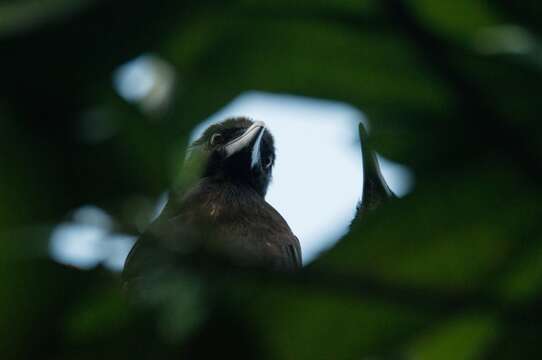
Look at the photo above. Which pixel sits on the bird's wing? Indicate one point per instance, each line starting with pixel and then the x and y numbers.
pixel 284 239
pixel 147 253
pixel 295 249
pixel 155 248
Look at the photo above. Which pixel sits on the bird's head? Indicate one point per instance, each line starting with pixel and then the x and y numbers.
pixel 238 150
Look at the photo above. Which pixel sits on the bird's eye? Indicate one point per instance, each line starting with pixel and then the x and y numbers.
pixel 268 162
pixel 216 139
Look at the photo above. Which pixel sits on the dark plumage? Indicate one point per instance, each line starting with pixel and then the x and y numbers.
pixel 225 211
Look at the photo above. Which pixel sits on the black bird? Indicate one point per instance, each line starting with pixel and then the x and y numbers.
pixel 225 211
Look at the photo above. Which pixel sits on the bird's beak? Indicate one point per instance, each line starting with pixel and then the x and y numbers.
pixel 251 138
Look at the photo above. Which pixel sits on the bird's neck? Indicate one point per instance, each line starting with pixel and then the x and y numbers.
pixel 218 198
pixel 223 186
pixel 225 183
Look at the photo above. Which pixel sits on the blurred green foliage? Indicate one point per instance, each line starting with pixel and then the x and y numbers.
pixel 451 88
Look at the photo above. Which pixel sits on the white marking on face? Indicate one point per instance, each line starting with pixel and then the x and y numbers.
pixel 255 157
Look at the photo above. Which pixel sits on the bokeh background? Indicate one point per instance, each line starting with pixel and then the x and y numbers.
pixel 99 99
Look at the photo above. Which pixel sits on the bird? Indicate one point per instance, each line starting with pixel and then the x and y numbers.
pixel 224 211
